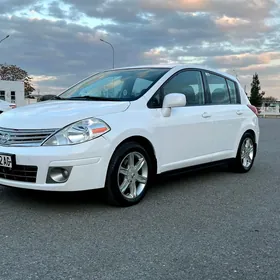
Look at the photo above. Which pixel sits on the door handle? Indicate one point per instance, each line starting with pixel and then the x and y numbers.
pixel 239 112
pixel 206 115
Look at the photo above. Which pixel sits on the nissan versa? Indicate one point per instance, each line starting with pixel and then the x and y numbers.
pixel 117 129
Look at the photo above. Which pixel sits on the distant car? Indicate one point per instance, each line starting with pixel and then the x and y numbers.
pixel 118 128
pixel 6 106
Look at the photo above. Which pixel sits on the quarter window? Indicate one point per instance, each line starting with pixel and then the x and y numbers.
pixel 218 89
pixel 232 92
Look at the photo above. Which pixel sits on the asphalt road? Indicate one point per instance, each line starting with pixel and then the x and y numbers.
pixel 204 225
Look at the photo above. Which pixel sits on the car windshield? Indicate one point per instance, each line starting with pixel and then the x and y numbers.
pixel 117 85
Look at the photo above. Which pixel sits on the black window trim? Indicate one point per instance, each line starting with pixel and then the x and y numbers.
pixel 208 93
pixel 149 105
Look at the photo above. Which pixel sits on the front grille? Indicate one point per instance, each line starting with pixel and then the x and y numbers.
pixel 20 173
pixel 24 137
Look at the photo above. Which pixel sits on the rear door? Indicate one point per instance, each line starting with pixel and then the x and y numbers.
pixel 227 113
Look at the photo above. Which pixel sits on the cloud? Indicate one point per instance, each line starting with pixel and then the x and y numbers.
pixel 7 6
pixel 230 22
pixel 122 10
pixel 42 78
pixel 243 60
pixel 55 10
pixel 61 38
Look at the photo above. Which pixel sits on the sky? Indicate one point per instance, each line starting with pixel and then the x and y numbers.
pixel 58 41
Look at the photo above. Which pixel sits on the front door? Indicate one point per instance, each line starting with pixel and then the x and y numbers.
pixel 185 137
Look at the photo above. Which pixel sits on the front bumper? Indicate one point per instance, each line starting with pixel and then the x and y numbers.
pixel 89 161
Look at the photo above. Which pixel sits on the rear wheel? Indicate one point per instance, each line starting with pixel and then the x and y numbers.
pixel 128 175
pixel 245 155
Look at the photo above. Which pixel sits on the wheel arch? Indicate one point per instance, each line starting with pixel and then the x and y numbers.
pixel 253 133
pixel 145 143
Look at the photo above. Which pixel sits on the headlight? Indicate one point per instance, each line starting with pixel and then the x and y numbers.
pixel 79 132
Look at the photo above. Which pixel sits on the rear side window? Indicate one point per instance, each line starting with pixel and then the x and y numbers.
pixel 218 89
pixel 232 92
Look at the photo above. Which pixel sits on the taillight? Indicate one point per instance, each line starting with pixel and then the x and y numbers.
pixel 253 108
pixel 13 106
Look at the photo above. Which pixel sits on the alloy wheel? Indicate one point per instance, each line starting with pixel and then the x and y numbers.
pixel 133 175
pixel 247 153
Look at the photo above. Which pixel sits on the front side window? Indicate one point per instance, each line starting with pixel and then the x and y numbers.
pixel 188 83
pixel 117 85
pixel 218 89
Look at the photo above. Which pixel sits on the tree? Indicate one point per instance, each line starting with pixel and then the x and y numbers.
pixel 15 73
pixel 268 100
pixel 256 97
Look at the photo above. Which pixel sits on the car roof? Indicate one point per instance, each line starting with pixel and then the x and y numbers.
pixel 178 67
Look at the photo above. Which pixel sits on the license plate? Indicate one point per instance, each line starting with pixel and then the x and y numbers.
pixel 6 161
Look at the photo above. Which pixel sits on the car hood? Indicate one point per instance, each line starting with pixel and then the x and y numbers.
pixel 57 114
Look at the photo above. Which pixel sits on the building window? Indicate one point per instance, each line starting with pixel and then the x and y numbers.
pixel 13 96
pixel 2 95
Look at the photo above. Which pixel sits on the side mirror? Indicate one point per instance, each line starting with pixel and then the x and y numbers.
pixel 173 100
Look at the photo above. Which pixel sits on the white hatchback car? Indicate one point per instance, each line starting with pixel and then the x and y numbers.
pixel 118 128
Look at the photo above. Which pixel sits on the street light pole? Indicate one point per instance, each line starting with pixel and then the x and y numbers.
pixel 112 50
pixel 4 38
pixel 236 76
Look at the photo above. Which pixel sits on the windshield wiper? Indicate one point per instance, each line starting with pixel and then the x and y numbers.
pixel 57 98
pixel 87 97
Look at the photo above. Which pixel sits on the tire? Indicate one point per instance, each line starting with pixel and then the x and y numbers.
pixel 243 164
pixel 118 178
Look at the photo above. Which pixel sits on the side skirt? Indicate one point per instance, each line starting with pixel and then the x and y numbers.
pixel 195 168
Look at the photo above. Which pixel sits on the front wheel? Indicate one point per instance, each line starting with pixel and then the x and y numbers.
pixel 128 175
pixel 245 155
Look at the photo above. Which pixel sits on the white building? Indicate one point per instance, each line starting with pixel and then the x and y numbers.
pixel 13 92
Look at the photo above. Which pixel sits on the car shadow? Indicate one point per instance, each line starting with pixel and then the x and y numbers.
pixel 55 199
pixel 189 175
pixel 95 198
